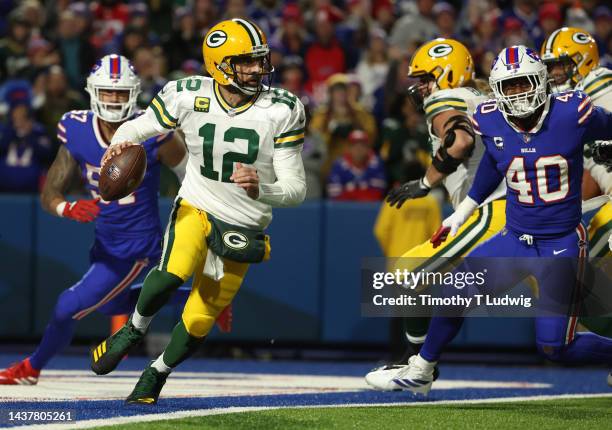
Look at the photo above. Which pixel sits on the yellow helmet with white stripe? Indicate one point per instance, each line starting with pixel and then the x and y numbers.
pixel 575 49
pixel 230 42
pixel 446 62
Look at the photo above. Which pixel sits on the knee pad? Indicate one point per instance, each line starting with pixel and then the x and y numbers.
pixel 198 324
pixel 67 305
pixel 552 353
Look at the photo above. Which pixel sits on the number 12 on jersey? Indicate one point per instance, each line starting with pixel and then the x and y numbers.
pixel 545 167
pixel 207 133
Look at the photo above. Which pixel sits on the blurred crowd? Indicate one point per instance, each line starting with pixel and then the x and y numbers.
pixel 346 60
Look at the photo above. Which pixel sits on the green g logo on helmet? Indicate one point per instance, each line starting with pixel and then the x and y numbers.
pixel 581 38
pixel 441 50
pixel 216 38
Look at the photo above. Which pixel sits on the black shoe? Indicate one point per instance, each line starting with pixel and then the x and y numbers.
pixel 148 387
pixel 106 356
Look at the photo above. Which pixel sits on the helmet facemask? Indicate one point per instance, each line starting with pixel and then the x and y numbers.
pixel 566 79
pixel 230 67
pixel 420 87
pixel 112 111
pixel 523 104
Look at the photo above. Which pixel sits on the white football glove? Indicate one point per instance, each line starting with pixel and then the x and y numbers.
pixel 454 222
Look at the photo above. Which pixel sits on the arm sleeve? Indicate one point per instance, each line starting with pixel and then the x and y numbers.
pixel 159 118
pixel 486 180
pixel 290 186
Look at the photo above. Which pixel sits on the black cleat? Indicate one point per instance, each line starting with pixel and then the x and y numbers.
pixel 148 387
pixel 106 356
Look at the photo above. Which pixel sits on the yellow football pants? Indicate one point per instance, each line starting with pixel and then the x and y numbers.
pixel 484 223
pixel 600 228
pixel 184 254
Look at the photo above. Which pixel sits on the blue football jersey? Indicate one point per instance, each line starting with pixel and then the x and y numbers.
pixel 126 228
pixel 542 167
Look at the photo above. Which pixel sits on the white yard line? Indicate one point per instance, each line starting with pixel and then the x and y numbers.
pixel 233 410
pixel 81 385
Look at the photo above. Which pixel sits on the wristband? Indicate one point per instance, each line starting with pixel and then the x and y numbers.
pixel 59 209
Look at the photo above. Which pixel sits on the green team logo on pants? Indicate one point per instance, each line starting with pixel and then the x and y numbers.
pixel 235 240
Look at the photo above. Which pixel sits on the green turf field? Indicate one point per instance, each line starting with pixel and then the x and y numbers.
pixel 591 413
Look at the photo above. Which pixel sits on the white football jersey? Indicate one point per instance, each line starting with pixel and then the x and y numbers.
pixel 598 86
pixel 462 99
pixel 219 136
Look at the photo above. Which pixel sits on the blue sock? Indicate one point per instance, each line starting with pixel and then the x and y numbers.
pixel 586 348
pixel 60 329
pixel 57 336
pixel 441 331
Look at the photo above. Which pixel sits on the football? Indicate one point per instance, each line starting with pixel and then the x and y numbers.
pixel 123 173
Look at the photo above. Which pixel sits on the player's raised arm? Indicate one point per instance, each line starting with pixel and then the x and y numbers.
pixel 60 174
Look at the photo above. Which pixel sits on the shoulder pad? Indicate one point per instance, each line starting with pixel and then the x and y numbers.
pixel 283 97
pixel 443 100
pixel 597 82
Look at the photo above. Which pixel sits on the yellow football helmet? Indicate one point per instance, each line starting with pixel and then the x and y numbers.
pixel 445 61
pixel 573 46
pixel 232 41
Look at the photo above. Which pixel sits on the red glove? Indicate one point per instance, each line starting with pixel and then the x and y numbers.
pixel 81 210
pixel 440 236
pixel 224 320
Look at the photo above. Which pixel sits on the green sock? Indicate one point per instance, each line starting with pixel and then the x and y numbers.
pixel 156 291
pixel 598 325
pixel 182 345
pixel 416 326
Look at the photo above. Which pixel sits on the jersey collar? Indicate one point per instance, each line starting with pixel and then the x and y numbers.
pixel 538 125
pixel 229 109
pixel 97 132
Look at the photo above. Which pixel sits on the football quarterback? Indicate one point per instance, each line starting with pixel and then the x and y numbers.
pixel 244 140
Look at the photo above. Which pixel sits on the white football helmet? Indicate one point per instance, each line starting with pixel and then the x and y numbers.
pixel 113 72
pixel 514 62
